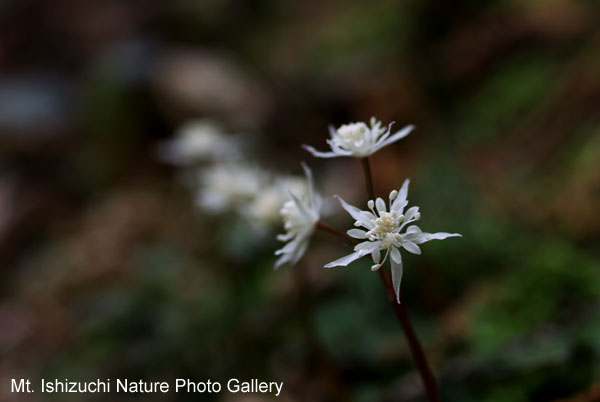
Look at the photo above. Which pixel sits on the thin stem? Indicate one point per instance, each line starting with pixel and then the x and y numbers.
pixel 368 178
pixel 413 342
pixel 336 232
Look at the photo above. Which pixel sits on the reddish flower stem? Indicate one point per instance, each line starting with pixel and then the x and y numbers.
pixel 336 232
pixel 368 177
pixel 413 342
pixel 415 346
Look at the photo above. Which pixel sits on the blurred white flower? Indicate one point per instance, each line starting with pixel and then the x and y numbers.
pixel 227 186
pixel 264 209
pixel 382 230
pixel 359 140
pixel 300 214
pixel 198 140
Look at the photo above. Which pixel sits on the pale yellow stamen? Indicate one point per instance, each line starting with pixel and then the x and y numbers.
pixel 385 229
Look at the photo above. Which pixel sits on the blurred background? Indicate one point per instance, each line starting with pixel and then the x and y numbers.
pixel 111 269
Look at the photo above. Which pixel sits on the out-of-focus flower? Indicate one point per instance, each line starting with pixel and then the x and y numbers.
pixel 382 230
pixel 264 209
pixel 300 215
pixel 196 141
pixel 231 185
pixel 359 140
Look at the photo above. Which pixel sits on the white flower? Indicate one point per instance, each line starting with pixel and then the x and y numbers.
pixel 264 209
pixel 359 140
pixel 227 186
pixel 198 140
pixel 300 214
pixel 382 230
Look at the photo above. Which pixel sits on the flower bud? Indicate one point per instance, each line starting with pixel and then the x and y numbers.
pixel 375 267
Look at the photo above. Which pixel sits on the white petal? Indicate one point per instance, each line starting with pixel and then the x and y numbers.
pixel 381 138
pixel 395 254
pixel 395 137
pixel 339 150
pixel 285 237
pixel 288 247
pixel 410 214
pixel 368 215
pixel 342 262
pixel 320 154
pixel 397 277
pixel 367 246
pixel 376 254
pixel 380 204
pixel 301 207
pixel 294 250
pixel 309 178
pixel 411 247
pixel 400 201
pixel 354 212
pixel 413 229
pixel 442 235
pixel 422 237
pixel 357 233
pixel 281 260
pixel 299 251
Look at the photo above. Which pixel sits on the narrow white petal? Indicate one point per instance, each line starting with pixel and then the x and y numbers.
pixel 301 207
pixel 397 277
pixel 281 260
pixel 357 233
pixel 285 237
pixel 354 212
pixel 369 216
pixel 441 235
pixel 332 131
pixel 395 254
pixel 381 139
pixel 413 229
pixel 380 204
pixel 300 250
pixel 320 154
pixel 288 247
pixel 422 237
pixel 411 247
pixel 339 150
pixel 367 246
pixel 376 254
pixel 342 262
pixel 395 137
pixel 309 178
pixel 410 214
pixel 400 201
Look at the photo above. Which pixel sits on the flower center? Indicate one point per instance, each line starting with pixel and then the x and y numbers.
pixel 292 217
pixel 384 229
pixel 386 223
pixel 352 132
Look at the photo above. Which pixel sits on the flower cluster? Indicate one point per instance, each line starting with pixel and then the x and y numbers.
pixel 226 180
pixel 262 197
